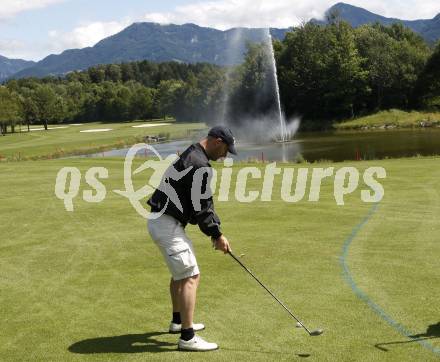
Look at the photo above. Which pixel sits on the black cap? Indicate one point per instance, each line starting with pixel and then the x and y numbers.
pixel 226 135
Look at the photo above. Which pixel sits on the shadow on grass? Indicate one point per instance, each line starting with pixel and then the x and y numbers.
pixel 127 343
pixel 284 354
pixel 432 332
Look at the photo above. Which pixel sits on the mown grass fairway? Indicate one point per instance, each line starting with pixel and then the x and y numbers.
pixel 60 142
pixel 90 285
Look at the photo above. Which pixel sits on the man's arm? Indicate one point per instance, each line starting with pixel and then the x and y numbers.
pixel 207 219
pixel 203 204
pixel 209 223
pixel 205 215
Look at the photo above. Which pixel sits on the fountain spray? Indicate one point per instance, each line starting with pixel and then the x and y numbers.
pixel 283 127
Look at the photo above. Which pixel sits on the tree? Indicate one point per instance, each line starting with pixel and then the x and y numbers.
pixel 344 79
pixel 128 72
pixel 45 100
pixel 208 101
pixel 78 76
pixel 91 106
pixel 121 103
pixel 74 98
pixel 427 90
pixel 253 92
pixel 96 74
pixel 166 97
pixel 141 101
pixel 30 110
pixel 113 73
pixel 10 109
pixel 393 57
pixel 320 73
pixel 187 100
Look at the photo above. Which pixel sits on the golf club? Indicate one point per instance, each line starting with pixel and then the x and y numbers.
pixel 315 332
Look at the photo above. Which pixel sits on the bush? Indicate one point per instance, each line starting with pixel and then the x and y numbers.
pixel 432 104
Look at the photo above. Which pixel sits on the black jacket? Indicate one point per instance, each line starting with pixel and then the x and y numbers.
pixel 188 163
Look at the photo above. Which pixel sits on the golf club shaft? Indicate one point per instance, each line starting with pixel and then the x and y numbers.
pixel 279 301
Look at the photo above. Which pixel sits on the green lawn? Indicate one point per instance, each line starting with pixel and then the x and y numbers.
pixel 59 142
pixel 392 118
pixel 90 285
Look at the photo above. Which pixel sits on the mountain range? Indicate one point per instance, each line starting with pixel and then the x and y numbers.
pixel 9 67
pixel 187 43
pixel 429 29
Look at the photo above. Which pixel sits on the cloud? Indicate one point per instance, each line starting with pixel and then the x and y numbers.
pixel 225 14
pixel 10 8
pixel 19 49
pixel 231 13
pixel 85 35
pixel 82 36
pixel 220 14
pixel 405 10
pixel 12 48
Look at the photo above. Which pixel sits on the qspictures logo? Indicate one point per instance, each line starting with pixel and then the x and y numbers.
pixel 346 181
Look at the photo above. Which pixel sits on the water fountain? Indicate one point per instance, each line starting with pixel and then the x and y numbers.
pixel 234 41
pixel 271 125
pixel 283 134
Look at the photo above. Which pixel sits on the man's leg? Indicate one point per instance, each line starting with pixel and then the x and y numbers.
pixel 174 293
pixel 175 288
pixel 187 299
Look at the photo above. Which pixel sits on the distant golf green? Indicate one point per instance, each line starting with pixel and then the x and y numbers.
pixel 90 284
pixel 392 118
pixel 62 140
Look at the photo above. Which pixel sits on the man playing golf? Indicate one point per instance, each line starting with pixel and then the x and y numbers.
pixel 180 200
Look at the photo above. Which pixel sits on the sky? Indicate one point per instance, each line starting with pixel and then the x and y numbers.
pixel 33 29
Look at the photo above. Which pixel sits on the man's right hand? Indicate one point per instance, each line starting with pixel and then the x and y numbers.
pixel 222 244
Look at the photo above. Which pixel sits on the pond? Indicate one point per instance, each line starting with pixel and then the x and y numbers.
pixel 333 146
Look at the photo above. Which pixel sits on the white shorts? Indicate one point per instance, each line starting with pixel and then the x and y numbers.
pixel 177 249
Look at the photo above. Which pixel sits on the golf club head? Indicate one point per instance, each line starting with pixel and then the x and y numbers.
pixel 317 332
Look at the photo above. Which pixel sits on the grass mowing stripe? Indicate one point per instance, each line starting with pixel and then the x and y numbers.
pixel 363 296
